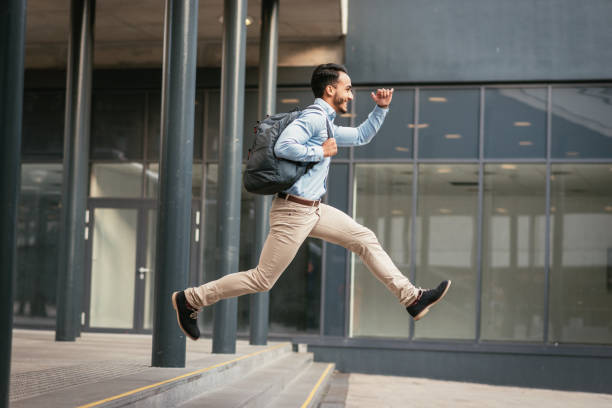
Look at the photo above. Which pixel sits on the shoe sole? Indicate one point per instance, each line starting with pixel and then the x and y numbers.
pixel 178 320
pixel 426 310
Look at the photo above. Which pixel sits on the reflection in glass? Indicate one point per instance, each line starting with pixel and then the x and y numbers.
pixel 514 229
pixel 382 204
pixel 515 123
pixel 117 125
pixel 581 254
pixel 448 123
pixel 394 139
pixel 113 262
pixel 116 179
pixel 582 122
pixel 38 223
pixel 446 247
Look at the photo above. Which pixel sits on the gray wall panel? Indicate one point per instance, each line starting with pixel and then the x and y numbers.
pixel 479 40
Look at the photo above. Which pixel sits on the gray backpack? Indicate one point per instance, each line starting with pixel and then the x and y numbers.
pixel 265 173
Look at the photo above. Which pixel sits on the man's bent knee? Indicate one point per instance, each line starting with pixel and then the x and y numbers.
pixel 259 281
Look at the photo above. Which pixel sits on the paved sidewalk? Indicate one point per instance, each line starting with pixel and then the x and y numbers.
pixel 367 391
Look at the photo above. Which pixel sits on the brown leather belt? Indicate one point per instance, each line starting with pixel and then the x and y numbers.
pixel 299 200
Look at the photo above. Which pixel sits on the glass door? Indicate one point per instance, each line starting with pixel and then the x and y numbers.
pixel 120 278
pixel 121 264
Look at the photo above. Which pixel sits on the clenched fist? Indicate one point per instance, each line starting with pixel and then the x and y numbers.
pixel 329 147
pixel 382 97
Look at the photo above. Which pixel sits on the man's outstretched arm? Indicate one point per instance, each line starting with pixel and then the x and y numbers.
pixel 363 134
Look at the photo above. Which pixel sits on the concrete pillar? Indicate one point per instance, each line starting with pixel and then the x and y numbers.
pixel 75 169
pixel 175 174
pixel 268 51
pixel 12 39
pixel 230 166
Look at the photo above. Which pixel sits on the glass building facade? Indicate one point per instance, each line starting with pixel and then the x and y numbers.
pixel 506 190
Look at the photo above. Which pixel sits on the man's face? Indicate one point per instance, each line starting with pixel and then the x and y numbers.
pixel 343 93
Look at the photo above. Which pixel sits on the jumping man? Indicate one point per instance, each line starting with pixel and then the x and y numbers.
pixel 298 213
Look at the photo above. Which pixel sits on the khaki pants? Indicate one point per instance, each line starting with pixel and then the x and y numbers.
pixel 290 224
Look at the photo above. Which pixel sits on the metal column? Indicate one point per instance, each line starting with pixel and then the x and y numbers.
pixel 268 51
pixel 12 38
pixel 75 169
pixel 175 174
pixel 230 166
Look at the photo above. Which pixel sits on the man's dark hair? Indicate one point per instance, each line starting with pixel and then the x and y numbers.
pixel 323 75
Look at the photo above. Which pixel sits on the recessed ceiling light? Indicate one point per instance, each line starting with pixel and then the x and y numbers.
pixel 290 100
pixel 525 143
pixel 419 126
pixel 347 115
pixel 522 124
pixel 572 153
pixel 444 170
pixel 608 208
pixel 397 212
pixel 553 209
pixel 445 211
pixel 402 149
pixel 437 99
pixel 501 210
pixel 452 136
pixel 508 166
pixel 247 21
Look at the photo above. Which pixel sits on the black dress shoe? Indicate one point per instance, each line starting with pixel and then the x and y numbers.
pixel 426 299
pixel 186 316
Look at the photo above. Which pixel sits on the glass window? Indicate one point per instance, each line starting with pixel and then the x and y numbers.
pixel 383 204
pixel 448 123
pixel 38 223
pixel 581 122
pixel 117 130
pixel 116 180
pixel 581 254
pixel 446 247
pixel 515 123
pixel 43 124
pixel 514 230
pixel 394 139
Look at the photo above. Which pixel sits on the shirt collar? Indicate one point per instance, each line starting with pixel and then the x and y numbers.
pixel 328 109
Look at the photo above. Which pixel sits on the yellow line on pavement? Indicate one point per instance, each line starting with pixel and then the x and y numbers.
pixel 316 387
pixel 125 394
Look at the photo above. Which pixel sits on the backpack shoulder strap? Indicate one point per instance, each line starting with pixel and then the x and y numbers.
pixel 330 133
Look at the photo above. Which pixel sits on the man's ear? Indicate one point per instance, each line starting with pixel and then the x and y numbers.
pixel 330 90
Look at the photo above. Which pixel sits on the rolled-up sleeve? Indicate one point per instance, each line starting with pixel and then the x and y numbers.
pixel 292 143
pixel 363 134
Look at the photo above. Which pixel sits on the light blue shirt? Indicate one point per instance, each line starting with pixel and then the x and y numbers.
pixel 302 140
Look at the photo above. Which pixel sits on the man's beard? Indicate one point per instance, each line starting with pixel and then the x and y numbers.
pixel 339 102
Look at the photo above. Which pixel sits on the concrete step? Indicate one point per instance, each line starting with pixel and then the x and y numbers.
pixel 307 389
pixel 161 387
pixel 258 388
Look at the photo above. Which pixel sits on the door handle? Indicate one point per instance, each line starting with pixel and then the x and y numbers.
pixel 142 270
